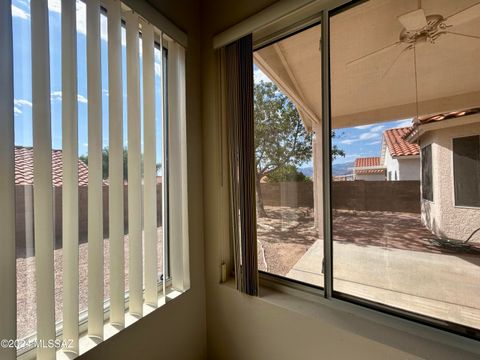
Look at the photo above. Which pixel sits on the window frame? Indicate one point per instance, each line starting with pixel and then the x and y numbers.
pixel 427 327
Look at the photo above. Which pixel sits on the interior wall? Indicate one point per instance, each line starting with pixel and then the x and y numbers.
pixel 243 327
pixel 178 329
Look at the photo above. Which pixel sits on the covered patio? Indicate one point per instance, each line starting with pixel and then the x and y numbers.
pixel 390 60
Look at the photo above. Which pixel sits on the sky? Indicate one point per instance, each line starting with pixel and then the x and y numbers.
pixel 23 77
pixel 358 141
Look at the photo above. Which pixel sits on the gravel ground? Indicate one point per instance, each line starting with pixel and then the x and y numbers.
pixel 283 237
pixel 26 289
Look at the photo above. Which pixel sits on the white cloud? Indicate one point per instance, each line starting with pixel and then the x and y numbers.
pixel 377 128
pixel 362 127
pixel 19 104
pixel 22 102
pixel 374 142
pixel 55 6
pixel 373 133
pixel 158 69
pixel 19 13
pixel 57 96
pixel 403 123
pixel 82 99
pixel 105 92
pixel 124 37
pixel 258 76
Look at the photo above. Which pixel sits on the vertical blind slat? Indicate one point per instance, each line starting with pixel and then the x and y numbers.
pixel 95 196
pixel 7 184
pixel 134 168
pixel 150 167
pixel 70 174
pixel 116 206
pixel 178 194
pixel 42 164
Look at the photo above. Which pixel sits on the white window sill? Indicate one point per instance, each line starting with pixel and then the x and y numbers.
pixel 87 342
pixel 376 325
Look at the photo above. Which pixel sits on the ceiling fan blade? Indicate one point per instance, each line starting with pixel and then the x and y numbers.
pixel 373 53
pixel 464 16
pixel 464 35
pixel 409 47
pixel 413 20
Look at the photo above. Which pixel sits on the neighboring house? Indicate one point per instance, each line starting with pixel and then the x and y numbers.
pixel 369 169
pixel 24 168
pixel 450 181
pixel 400 158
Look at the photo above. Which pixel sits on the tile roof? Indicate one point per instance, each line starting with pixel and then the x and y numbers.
pixel 433 118
pixel 396 143
pixel 367 162
pixel 369 171
pixel 24 167
pixel 445 116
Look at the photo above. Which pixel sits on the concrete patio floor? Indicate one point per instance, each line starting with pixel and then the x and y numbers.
pixel 444 286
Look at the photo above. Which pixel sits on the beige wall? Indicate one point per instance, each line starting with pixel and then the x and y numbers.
pixel 442 216
pixel 248 328
pixel 178 329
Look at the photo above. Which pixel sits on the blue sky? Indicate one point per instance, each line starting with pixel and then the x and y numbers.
pixel 358 141
pixel 23 76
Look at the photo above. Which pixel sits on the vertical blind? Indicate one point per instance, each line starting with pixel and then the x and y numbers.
pixel 239 101
pixel 139 107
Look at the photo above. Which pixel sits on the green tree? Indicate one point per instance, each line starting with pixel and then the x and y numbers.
pixel 282 143
pixel 105 159
pixel 286 173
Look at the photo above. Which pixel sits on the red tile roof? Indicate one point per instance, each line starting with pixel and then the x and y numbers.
pixel 396 143
pixel 24 167
pixel 367 162
pixel 427 119
pixel 445 116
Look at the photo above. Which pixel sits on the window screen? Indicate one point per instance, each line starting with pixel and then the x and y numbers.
pixel 466 168
pixel 427 183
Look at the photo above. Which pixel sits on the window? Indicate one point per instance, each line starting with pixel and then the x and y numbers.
pixel 466 167
pixel 377 97
pixel 288 175
pixel 427 176
pixel 95 142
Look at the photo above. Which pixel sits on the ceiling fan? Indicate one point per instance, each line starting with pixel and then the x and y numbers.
pixel 418 27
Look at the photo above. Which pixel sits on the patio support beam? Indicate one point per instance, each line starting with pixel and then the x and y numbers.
pixel 317 179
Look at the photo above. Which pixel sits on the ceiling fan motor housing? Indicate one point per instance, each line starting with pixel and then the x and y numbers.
pixel 430 32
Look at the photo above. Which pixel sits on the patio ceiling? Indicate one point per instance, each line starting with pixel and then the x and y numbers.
pixel 381 87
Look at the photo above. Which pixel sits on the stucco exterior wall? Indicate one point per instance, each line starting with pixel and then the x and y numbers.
pixel 406 169
pixel 441 215
pixel 409 169
pixel 372 177
pixel 392 166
